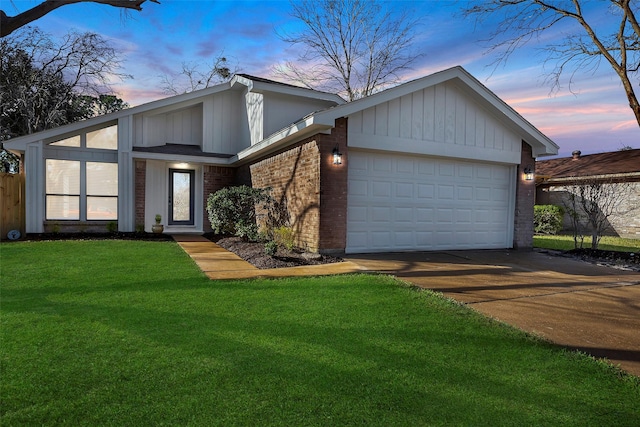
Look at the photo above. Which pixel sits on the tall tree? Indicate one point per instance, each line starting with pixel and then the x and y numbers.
pixel 8 24
pixel 596 32
pixel 44 83
pixel 351 47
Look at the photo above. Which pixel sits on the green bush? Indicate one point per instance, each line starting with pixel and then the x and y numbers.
pixel 547 219
pixel 232 210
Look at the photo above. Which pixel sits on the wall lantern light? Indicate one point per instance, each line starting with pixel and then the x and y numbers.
pixel 337 156
pixel 528 174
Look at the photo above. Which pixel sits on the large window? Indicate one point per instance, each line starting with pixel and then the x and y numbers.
pixel 63 189
pixel 79 190
pixel 102 190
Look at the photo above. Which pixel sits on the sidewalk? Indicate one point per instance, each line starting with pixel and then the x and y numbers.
pixel 218 263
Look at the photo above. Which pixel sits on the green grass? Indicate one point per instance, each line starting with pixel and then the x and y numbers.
pixel 607 243
pixel 131 333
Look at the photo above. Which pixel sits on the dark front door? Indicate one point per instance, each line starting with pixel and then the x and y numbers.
pixel 181 196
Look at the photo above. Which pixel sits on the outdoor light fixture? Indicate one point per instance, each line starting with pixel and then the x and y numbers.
pixel 337 156
pixel 528 174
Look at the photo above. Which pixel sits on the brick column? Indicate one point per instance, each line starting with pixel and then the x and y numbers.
pixel 525 198
pixel 140 178
pixel 333 190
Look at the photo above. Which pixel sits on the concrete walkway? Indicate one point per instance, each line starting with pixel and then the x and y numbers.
pixel 218 263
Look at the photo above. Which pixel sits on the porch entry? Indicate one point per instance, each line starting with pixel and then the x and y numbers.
pixel 181 196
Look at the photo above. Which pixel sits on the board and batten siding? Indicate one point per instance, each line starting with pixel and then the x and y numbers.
pixel 217 123
pixel 440 120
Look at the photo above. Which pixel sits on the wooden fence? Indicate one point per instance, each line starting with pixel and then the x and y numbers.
pixel 12 201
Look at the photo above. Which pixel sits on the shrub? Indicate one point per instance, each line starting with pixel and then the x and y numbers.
pixel 547 219
pixel 112 226
pixel 284 237
pixel 232 210
pixel 270 248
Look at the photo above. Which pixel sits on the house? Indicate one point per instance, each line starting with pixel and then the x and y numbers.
pixel 556 177
pixel 436 163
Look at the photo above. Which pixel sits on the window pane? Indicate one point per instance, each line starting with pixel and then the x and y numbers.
pixel 73 141
pixel 102 179
pixel 106 138
pixel 63 177
pixel 63 207
pixel 102 208
pixel 181 196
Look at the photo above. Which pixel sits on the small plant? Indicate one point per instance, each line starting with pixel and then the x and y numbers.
pixel 158 218
pixel 284 236
pixel 271 248
pixel 140 228
pixel 55 228
pixel 112 226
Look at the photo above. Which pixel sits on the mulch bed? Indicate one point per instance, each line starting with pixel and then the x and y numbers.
pixel 625 260
pixel 255 254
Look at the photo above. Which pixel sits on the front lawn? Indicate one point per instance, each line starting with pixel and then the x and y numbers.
pixel 132 333
pixel 565 243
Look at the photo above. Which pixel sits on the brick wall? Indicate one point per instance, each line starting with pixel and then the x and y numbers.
pixel 214 179
pixel 312 187
pixel 525 195
pixel 624 222
pixel 294 176
pixel 139 191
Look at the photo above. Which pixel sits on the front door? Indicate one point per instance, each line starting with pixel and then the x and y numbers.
pixel 181 196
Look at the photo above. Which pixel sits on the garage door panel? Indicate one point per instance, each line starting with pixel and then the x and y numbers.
pixel 399 202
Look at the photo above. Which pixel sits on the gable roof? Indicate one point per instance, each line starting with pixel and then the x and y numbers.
pixel 238 82
pixel 322 120
pixel 540 143
pixel 611 163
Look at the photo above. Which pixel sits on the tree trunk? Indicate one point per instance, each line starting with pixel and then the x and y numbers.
pixel 631 95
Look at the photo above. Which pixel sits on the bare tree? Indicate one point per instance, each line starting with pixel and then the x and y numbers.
pixel 197 75
pixel 351 47
pixel 583 48
pixel 46 83
pixel 9 24
pixel 590 204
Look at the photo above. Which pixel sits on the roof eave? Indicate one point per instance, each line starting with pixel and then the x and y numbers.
pixel 281 139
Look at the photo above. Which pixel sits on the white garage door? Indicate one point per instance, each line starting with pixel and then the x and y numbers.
pixel 400 203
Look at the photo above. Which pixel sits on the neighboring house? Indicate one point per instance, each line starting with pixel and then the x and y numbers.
pixel 556 177
pixel 432 164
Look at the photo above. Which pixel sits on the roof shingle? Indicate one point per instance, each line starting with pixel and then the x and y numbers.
pixel 614 162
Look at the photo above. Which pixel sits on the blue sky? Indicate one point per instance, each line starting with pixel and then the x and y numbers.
pixel 593 117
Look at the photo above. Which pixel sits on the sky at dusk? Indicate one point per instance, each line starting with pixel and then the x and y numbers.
pixel 593 116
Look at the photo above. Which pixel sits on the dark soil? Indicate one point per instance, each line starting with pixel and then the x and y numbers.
pixel 626 260
pixel 255 254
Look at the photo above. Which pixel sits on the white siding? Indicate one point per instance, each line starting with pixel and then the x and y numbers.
pixel 440 120
pixel 281 111
pixel 217 123
pixel 255 116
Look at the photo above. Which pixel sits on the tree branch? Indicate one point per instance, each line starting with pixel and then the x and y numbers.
pixel 9 24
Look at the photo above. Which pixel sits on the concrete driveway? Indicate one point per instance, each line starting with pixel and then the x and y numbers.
pixel 576 304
